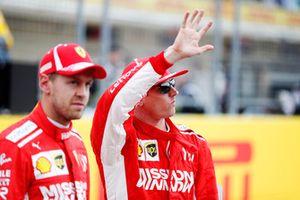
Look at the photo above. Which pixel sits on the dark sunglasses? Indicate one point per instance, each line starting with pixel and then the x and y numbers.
pixel 165 87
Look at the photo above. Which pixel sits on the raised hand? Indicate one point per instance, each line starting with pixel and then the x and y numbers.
pixel 187 40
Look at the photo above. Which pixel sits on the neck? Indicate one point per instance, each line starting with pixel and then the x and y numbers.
pixel 50 113
pixel 159 123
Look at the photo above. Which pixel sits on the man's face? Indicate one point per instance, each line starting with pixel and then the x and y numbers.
pixel 68 96
pixel 160 100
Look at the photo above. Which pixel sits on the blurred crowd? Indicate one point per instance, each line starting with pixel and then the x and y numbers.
pixel 290 100
pixel 286 4
pixel 192 97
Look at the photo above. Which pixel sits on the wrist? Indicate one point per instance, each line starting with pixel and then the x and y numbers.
pixel 159 63
pixel 171 55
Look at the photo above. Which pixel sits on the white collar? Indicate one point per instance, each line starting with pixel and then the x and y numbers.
pixel 58 125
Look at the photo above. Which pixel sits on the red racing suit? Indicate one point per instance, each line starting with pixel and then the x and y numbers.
pixel 139 161
pixel 41 161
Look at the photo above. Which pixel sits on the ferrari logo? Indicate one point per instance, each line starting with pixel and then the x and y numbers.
pixel 59 161
pixel 151 149
pixel 80 51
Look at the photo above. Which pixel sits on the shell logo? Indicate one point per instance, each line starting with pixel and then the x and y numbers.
pixel 140 150
pixel 43 165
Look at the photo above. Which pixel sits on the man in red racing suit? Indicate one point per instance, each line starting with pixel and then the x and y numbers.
pixel 141 154
pixel 39 166
pixel 41 156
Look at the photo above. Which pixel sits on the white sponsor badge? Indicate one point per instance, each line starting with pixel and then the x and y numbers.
pixel 148 150
pixel 49 164
pixel 22 131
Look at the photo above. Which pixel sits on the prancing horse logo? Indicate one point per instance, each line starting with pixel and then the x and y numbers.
pixel 59 161
pixel 151 149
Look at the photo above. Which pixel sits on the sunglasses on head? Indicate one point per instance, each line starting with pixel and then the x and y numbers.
pixel 165 87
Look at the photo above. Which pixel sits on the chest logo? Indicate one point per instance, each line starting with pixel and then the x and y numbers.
pixel 81 160
pixel 49 164
pixel 43 165
pixel 140 150
pixel 59 161
pixel 36 145
pixel 187 156
pixel 4 159
pixel 151 149
pixel 148 150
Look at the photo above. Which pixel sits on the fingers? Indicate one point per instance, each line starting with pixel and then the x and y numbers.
pixel 205 29
pixel 184 22
pixel 205 48
pixel 196 18
pixel 192 21
pixel 195 13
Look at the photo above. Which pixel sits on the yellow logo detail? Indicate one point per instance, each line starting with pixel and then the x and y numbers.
pixel 43 165
pixel 80 51
pixel 140 150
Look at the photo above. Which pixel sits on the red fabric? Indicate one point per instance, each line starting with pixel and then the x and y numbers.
pixel 62 59
pixel 138 161
pixel 42 161
pixel 168 75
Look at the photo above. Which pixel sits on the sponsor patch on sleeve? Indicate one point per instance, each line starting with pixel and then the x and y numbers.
pixel 5 175
pixel 21 131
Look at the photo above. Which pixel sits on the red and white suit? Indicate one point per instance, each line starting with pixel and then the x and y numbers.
pixel 41 161
pixel 139 161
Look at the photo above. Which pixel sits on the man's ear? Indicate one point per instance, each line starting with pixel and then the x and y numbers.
pixel 44 83
pixel 141 102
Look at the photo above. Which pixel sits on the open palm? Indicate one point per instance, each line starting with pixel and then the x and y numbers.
pixel 187 40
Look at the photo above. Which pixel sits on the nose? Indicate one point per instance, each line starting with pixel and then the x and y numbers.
pixel 82 90
pixel 173 91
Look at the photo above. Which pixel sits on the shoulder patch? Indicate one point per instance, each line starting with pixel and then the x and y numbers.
pixel 183 128
pixel 22 131
pixel 75 131
pixel 30 138
pixel 187 131
pixel 76 134
pixel 200 137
